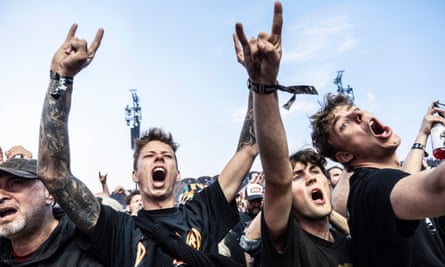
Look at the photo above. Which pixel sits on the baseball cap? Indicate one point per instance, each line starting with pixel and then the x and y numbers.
pixel 254 192
pixel 24 168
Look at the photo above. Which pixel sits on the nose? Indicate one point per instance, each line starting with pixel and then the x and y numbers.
pixel 358 115
pixel 3 195
pixel 311 180
pixel 159 157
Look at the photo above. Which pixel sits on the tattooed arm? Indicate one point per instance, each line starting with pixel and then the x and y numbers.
pixel 239 165
pixel 53 168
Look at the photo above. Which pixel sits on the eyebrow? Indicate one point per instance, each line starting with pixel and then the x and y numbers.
pixel 336 118
pixel 334 121
pixel 163 152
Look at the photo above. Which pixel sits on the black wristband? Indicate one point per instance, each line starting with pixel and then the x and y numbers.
pixel 59 84
pixel 261 88
pixel 63 79
pixel 418 146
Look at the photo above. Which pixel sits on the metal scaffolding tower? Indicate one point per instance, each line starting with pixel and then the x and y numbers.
pixel 340 89
pixel 133 116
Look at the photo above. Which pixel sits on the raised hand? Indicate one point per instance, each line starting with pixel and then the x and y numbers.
pixel 103 178
pixel 18 151
pixel 261 56
pixel 74 54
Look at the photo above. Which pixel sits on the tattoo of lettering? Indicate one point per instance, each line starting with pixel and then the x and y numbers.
pixel 54 160
pixel 247 136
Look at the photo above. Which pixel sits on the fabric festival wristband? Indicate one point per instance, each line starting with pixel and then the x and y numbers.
pixel 261 88
pixel 293 89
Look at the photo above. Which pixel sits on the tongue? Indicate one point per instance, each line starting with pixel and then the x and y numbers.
pixel 157 183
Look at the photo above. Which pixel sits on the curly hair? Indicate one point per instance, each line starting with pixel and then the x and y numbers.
pixel 322 120
pixel 153 134
pixel 308 155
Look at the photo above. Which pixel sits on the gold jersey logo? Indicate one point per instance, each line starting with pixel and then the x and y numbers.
pixel 193 239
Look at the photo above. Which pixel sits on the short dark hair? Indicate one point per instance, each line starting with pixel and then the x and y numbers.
pixel 308 155
pixel 131 195
pixel 322 120
pixel 153 134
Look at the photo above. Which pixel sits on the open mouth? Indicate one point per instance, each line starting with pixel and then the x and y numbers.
pixel 159 174
pixel 317 195
pixel 6 212
pixel 378 129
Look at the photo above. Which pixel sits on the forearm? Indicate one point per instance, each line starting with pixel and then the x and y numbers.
pixel 105 189
pixel 340 193
pixel 253 231
pixel 54 159
pixel 272 141
pixel 413 161
pixel 239 165
pixel 339 222
pixel 250 240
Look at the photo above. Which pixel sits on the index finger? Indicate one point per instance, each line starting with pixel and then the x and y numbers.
pixel 238 50
pixel 277 23
pixel 97 40
pixel 240 34
pixel 71 32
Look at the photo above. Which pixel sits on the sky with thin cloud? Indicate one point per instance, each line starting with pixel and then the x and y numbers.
pixel 179 56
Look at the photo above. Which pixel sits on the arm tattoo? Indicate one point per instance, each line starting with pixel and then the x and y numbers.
pixel 247 136
pixel 73 196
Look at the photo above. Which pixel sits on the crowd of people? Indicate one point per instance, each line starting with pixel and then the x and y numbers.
pixel 365 208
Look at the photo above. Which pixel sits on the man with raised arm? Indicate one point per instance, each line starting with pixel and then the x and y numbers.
pixel 161 234
pixel 295 224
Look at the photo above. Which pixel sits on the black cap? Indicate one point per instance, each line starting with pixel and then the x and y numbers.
pixel 24 168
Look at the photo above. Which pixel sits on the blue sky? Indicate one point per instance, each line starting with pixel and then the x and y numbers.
pixel 179 56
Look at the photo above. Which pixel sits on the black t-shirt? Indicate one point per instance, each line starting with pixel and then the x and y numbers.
pixel 429 249
pixel 379 238
pixel 202 222
pixel 304 250
pixel 62 248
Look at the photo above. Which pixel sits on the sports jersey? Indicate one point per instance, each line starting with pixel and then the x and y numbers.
pixel 303 249
pixel 201 222
pixel 379 238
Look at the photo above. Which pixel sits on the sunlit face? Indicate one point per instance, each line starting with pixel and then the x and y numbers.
pixel 359 133
pixel 156 172
pixel 135 204
pixel 21 202
pixel 311 192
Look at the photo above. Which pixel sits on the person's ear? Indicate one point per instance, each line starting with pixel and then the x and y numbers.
pixel 49 198
pixel 135 176
pixel 344 157
pixel 178 177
